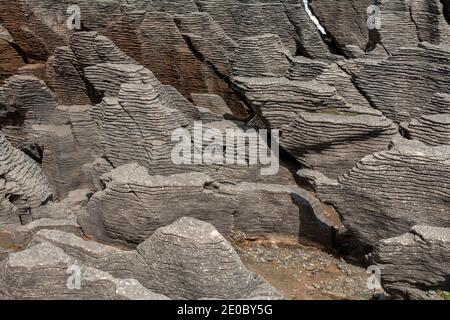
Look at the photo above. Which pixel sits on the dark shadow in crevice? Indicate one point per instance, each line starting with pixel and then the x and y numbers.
pixel 32 150
pixel 20 52
pixel 446 4
pixel 232 88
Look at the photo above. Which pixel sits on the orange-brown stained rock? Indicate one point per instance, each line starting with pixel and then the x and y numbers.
pixel 34 69
pixel 10 60
pixel 158 44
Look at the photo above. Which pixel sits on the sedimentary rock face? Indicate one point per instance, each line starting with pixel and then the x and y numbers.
pixel 166 127
pixel 44 270
pixel 415 262
pixel 388 192
pixel 156 201
pixel 190 253
pixel 24 187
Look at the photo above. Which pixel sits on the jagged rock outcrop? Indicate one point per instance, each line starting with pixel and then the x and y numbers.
pixel 388 192
pixel 10 59
pixel 24 187
pixel 220 274
pixel 387 83
pixel 62 158
pixel 25 100
pixel 430 129
pixel 415 262
pixel 43 272
pixel 260 56
pixel 157 201
pixel 393 23
pixel 190 259
pixel 326 124
pixel 333 143
pixel 146 114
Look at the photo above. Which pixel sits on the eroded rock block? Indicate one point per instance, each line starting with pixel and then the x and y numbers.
pixel 190 259
pixel 24 186
pixel 415 262
pixel 431 129
pixel 258 210
pixel 153 202
pixel 43 271
pixel 388 192
pixel 386 83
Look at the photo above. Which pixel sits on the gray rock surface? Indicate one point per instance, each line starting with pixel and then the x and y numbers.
pixel 388 192
pixel 190 259
pixel 43 272
pixel 156 201
pixel 23 185
pixel 415 263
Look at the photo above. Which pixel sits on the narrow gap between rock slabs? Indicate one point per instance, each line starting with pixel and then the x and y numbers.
pixel 242 115
pixel 446 10
pixel 20 52
pixel 327 38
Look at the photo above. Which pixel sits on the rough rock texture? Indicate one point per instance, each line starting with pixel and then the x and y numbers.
pixel 407 81
pixel 25 100
pixel 402 23
pixel 42 272
pixel 326 124
pixel 430 129
pixel 156 201
pixel 23 185
pixel 190 259
pixel 89 120
pixel 10 60
pixel 388 192
pixel 415 262
pixel 234 282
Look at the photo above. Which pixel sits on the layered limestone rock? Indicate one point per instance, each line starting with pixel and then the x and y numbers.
pixel 61 138
pixel 25 100
pixel 10 58
pixel 337 17
pixel 101 109
pixel 387 83
pixel 392 24
pixel 334 143
pixel 156 201
pixel 388 192
pixel 222 275
pixel 190 259
pixel 152 202
pixel 211 107
pixel 24 187
pixel 44 272
pixel 326 124
pixel 62 158
pixel 415 262
pixel 122 264
pixel 430 129
pixel 260 56
pixel 21 235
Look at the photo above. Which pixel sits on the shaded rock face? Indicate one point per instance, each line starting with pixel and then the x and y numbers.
pixel 415 262
pixel 24 187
